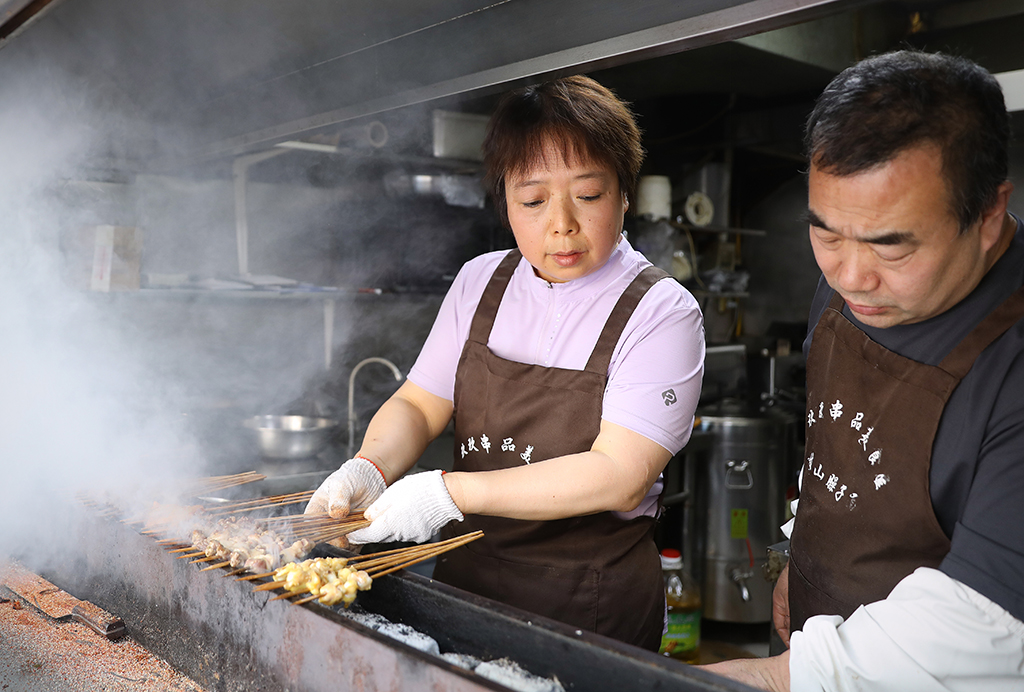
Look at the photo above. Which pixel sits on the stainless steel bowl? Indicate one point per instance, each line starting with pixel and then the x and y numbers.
pixel 291 437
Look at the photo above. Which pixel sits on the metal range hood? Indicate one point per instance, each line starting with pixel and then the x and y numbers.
pixel 235 76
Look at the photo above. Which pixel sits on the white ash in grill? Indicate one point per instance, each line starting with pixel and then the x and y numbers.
pixel 503 671
pixel 510 674
pixel 402 633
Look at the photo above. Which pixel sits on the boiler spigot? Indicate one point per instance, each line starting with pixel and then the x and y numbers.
pixel 740 576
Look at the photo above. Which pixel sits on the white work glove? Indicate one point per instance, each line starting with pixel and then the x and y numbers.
pixel 356 484
pixel 412 509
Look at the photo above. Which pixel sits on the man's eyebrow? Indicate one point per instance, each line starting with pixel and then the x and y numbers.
pixel 886 238
pixel 812 219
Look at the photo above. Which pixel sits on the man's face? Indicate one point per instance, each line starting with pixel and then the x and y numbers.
pixel 886 239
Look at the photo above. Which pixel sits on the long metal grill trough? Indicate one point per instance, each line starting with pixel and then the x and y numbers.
pixel 222 634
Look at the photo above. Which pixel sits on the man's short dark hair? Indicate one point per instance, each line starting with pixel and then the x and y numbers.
pixel 583 119
pixel 883 105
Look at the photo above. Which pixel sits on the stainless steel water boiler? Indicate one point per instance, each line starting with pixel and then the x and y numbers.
pixel 743 490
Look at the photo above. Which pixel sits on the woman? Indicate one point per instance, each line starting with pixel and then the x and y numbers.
pixel 572 371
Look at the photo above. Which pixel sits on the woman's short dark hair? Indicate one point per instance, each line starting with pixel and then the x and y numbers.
pixel 878 108
pixel 584 119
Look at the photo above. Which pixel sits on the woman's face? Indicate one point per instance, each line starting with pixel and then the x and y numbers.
pixel 566 216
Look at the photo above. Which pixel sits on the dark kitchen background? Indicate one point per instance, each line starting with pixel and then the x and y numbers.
pixel 286 190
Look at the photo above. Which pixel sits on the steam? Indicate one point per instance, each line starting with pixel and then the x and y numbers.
pixel 101 392
pixel 130 393
pixel 76 408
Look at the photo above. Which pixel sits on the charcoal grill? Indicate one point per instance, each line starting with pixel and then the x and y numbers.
pixel 222 634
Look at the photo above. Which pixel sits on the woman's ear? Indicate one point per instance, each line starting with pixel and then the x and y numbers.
pixel 625 202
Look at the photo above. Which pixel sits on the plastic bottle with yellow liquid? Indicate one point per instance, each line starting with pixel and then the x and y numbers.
pixel 682 637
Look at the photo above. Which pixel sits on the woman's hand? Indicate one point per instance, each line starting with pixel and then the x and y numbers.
pixel 412 509
pixel 356 484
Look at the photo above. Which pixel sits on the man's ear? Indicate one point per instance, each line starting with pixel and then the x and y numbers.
pixel 992 219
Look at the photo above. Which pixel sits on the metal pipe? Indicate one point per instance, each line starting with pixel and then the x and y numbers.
pixel 351 396
pixel 328 332
pixel 240 175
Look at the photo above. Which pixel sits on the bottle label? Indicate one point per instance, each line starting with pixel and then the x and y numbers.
pixel 683 633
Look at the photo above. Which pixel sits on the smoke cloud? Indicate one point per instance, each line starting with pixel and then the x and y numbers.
pixel 131 392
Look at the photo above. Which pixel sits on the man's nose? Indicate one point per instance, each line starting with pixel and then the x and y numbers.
pixel 856 272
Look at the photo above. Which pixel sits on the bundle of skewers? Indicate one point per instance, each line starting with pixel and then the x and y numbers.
pixel 331 580
pixel 275 547
pixel 227 537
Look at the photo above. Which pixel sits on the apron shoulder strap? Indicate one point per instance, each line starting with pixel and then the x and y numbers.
pixel 962 357
pixel 487 309
pixel 601 357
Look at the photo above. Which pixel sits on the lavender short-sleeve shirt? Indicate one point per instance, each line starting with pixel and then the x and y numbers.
pixel 655 373
pixel 656 366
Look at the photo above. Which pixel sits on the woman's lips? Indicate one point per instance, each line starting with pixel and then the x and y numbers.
pixel 566 259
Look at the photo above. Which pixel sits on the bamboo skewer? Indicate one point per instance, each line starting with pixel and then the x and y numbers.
pixel 269 586
pixel 216 565
pixel 456 543
pixel 325 536
pixel 397 559
pixel 204 559
pixel 251 577
pixel 267 501
pixel 214 483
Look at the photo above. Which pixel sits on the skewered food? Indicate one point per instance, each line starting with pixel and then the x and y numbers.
pixel 330 579
pixel 244 543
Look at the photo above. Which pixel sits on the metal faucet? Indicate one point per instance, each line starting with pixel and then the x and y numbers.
pixel 351 397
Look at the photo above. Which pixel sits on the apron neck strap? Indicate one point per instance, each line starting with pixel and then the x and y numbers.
pixel 959 361
pixel 962 357
pixel 487 310
pixel 601 357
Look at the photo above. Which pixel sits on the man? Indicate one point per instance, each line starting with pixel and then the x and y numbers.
pixel 907 554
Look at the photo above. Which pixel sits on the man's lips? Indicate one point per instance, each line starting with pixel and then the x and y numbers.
pixel 866 310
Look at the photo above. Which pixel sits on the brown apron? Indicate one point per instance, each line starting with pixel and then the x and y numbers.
pixel 866 519
pixel 595 572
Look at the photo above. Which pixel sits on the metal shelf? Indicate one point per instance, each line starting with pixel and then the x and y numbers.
pixel 254 294
pixel 717 229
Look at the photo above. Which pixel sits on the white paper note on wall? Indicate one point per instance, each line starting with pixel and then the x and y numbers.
pixel 102 258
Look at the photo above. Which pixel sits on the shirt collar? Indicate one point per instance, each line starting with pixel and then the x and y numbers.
pixel 583 287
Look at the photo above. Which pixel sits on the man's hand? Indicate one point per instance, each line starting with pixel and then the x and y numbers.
pixel 780 605
pixel 763 673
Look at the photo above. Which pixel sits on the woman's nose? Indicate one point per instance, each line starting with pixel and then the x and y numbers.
pixel 563 217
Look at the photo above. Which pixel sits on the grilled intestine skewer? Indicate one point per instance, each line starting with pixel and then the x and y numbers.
pixel 243 543
pixel 330 579
pixel 337 579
